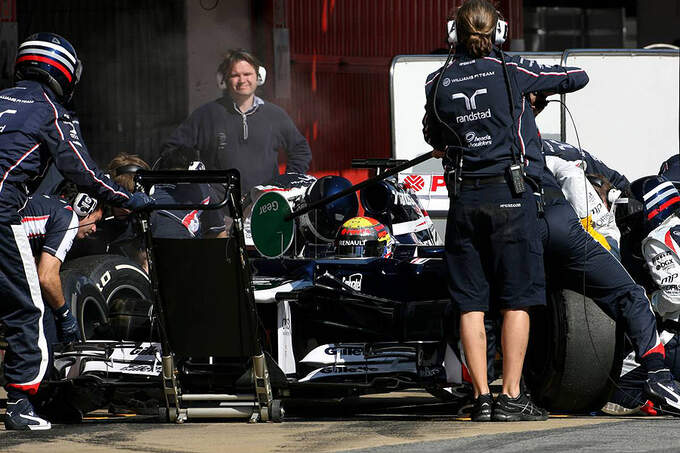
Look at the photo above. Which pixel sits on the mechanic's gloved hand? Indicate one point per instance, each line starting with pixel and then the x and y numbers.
pixel 139 200
pixel 67 326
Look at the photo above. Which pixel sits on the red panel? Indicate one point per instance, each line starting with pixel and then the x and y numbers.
pixel 341 52
pixel 8 11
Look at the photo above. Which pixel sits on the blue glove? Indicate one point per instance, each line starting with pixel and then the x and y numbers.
pixel 67 326
pixel 139 200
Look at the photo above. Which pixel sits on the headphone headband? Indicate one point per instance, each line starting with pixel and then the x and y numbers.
pixel 498 35
pixel 126 169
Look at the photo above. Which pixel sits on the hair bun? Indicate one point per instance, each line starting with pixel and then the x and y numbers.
pixel 478 44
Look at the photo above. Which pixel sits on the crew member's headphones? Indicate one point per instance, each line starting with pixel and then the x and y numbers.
pixel 126 169
pixel 84 205
pixel 222 78
pixel 498 35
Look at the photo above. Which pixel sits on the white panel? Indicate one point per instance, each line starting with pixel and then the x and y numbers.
pixel 627 115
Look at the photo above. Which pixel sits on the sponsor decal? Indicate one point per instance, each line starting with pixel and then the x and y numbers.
pixel 351 242
pixel 344 350
pixel 20 101
pixel 474 141
pixel 470 102
pixel 465 63
pixel 415 182
pixel 437 182
pixel 660 256
pixel 669 279
pixel 474 116
pixel 353 281
pixel 664 264
pixel 511 205
pixel 340 369
pixel 446 82
pixel 474 76
pixel 8 112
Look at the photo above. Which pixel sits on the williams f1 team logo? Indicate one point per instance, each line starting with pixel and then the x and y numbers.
pixel 470 102
pixel 470 105
pixel 415 182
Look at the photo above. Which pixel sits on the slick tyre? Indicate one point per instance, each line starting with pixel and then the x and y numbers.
pixel 86 302
pixel 117 277
pixel 573 355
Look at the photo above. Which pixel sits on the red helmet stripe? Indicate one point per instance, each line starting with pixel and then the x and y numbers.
pixel 49 61
pixel 662 207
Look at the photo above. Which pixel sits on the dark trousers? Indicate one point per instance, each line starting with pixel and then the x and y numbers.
pixel 576 261
pixel 21 310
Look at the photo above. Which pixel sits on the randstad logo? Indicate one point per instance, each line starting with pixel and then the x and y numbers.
pixel 474 116
pixel 471 104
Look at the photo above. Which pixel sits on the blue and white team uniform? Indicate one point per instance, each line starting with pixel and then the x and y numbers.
pixel 50 224
pixel 490 231
pixel 569 166
pixel 35 130
pixel 661 252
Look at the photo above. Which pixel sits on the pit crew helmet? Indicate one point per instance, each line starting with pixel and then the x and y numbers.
pixel 659 197
pixel 50 59
pixel 322 224
pixel 362 237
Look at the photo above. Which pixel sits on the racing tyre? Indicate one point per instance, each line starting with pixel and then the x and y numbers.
pixel 573 356
pixel 87 304
pixel 117 277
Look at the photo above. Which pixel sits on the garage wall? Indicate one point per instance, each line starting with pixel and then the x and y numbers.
pixel 133 89
pixel 212 27
pixel 341 53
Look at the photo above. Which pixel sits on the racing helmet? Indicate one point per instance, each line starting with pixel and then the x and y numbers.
pixel 361 237
pixel 322 224
pixel 50 59
pixel 659 198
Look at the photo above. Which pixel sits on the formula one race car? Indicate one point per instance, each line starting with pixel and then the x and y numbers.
pixel 363 310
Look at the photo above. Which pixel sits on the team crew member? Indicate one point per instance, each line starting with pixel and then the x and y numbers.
pixel 51 225
pixel 580 263
pixel 187 224
pixel 583 192
pixel 493 249
pixel 660 224
pixel 37 130
pixel 240 130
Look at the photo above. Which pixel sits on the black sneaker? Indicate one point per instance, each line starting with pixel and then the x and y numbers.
pixel 517 409
pixel 20 416
pixel 481 410
pixel 663 390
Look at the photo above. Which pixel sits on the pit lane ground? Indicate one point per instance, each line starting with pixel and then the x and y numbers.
pixel 403 422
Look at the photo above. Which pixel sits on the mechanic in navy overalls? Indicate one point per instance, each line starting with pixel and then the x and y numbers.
pixel 35 130
pixel 581 263
pixel 493 248
pixel 52 224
